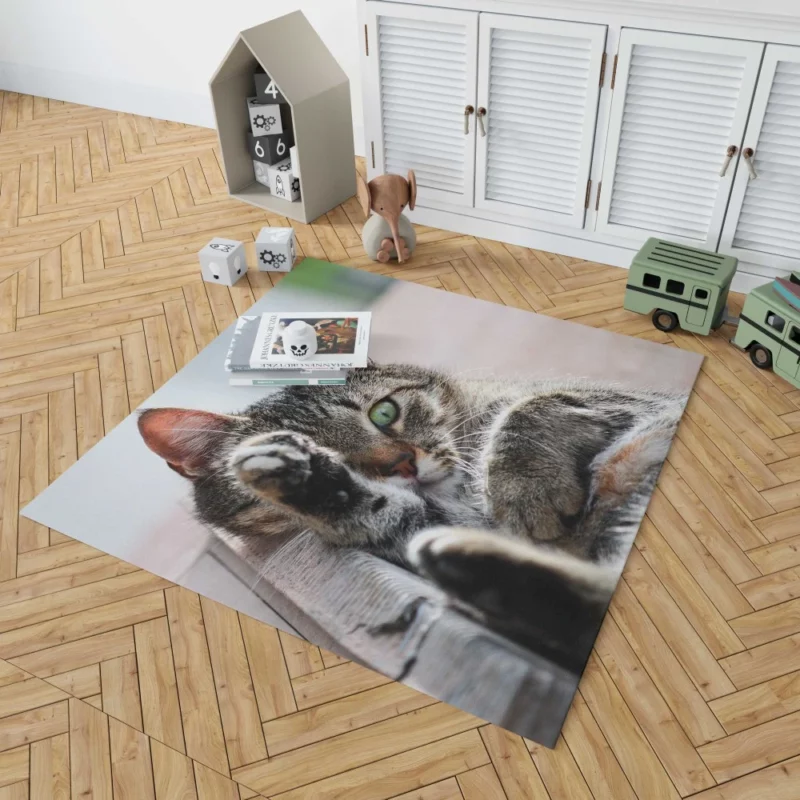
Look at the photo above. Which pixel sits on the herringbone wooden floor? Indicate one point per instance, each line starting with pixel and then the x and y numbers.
pixel 114 684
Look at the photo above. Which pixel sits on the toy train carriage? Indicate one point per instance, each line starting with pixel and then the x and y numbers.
pixel 680 285
pixel 769 327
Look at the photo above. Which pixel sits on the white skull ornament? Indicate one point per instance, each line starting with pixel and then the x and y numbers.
pixel 299 340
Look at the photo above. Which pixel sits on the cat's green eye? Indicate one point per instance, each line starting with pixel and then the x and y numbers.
pixel 384 413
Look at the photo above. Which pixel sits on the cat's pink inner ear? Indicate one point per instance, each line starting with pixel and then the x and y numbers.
pixel 187 440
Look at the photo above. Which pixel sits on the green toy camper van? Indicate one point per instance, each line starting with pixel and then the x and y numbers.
pixel 769 328
pixel 680 285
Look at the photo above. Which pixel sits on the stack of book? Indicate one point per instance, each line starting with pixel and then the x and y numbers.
pixel 257 355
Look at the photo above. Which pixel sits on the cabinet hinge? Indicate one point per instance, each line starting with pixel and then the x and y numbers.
pixel 372 148
pixel 588 192
pixel 614 71
pixel 597 202
pixel 366 40
pixel 603 68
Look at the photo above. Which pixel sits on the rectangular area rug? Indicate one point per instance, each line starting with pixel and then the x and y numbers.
pixel 456 517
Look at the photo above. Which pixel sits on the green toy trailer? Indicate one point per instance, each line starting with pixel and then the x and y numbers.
pixel 680 285
pixel 769 329
pixel 687 287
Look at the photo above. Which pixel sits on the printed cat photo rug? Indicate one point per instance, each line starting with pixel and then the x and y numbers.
pixel 456 516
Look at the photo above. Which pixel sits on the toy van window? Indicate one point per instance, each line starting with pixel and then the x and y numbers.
pixel 774 321
pixel 701 294
pixel 651 281
pixel 794 336
pixel 675 287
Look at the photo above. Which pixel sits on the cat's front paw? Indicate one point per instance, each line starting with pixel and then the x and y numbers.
pixel 274 463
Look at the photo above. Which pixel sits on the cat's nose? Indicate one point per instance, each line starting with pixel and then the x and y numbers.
pixel 404 465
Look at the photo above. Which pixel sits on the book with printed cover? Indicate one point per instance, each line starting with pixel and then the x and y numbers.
pixel 237 362
pixel 311 340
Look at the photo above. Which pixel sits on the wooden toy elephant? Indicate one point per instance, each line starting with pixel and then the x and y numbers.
pixel 388 233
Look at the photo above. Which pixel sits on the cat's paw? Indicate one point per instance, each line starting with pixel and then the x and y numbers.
pixel 274 463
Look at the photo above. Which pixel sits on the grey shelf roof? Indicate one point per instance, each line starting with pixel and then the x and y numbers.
pixel 318 91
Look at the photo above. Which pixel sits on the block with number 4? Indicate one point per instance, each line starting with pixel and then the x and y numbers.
pixel 267 90
pixel 267 117
pixel 282 183
pixel 275 249
pixel 271 148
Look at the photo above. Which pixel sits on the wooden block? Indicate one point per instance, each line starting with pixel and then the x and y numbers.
pixel 325 685
pixel 80 683
pixel 213 786
pixel 301 656
pixel 14 766
pixel 9 503
pixel 339 716
pixel 401 773
pixel 202 726
pixel 483 784
pixel 131 767
pixel 26 695
pixel 161 711
pixel 120 688
pixel 754 748
pixel 244 738
pixel 512 761
pixel 351 751
pixel 50 769
pixel 663 731
pixel 271 681
pixel 641 765
pixel 88 409
pixel 81 653
pixel 113 388
pixel 172 773
pixel 31 726
pixel 33 476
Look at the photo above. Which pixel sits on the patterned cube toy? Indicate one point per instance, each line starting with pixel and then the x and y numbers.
pixel 268 118
pixel 271 148
pixel 275 249
pixel 282 183
pixel 222 261
pixel 261 172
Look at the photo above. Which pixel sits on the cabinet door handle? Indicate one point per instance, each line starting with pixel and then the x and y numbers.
pixel 730 153
pixel 467 111
pixel 481 115
pixel 748 154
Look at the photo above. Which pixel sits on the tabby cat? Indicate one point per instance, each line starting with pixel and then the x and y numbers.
pixel 520 500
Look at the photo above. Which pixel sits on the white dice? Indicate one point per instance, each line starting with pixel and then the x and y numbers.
pixel 268 117
pixel 282 182
pixel 261 172
pixel 275 249
pixel 222 261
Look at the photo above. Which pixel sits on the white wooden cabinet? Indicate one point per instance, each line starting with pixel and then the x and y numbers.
pixel 680 101
pixel 763 220
pixel 422 82
pixel 561 127
pixel 538 86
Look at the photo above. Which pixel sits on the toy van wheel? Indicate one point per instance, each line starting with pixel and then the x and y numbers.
pixel 760 356
pixel 665 320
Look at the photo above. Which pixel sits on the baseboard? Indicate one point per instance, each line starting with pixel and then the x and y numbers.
pixel 130 98
pixel 613 255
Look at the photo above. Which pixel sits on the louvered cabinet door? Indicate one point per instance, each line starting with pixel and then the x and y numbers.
pixel 679 102
pixel 762 225
pixel 422 66
pixel 538 83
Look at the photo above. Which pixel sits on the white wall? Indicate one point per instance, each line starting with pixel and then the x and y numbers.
pixel 150 57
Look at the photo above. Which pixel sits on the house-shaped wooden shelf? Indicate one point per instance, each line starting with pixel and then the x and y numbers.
pixel 318 91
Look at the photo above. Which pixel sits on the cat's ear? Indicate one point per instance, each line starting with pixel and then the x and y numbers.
pixel 187 440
